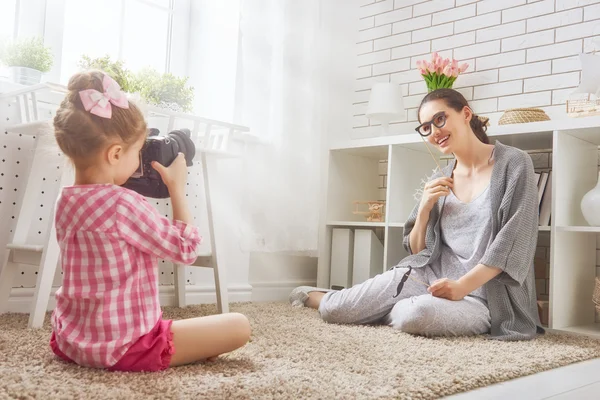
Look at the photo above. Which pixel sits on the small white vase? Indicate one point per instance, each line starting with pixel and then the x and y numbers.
pixel 590 205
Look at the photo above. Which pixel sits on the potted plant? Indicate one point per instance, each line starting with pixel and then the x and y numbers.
pixel 114 69
pixel 162 90
pixel 27 60
pixel 440 73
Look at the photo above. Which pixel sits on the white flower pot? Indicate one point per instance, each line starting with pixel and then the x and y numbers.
pixel 25 76
pixel 590 205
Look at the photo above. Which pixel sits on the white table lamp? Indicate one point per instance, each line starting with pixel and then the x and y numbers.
pixel 385 103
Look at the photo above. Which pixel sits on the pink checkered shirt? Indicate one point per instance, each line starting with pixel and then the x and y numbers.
pixel 110 241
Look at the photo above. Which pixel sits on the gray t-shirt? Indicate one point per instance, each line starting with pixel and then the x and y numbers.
pixel 466 229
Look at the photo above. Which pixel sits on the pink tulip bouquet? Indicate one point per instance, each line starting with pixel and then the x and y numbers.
pixel 440 73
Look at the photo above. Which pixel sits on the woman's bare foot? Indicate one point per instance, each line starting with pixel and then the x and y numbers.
pixel 314 299
pixel 307 296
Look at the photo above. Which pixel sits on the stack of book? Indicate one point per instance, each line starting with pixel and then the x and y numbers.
pixel 544 182
pixel 356 255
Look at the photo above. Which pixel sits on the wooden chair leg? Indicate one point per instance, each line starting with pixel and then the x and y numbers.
pixel 48 264
pixel 45 277
pixel 221 289
pixel 7 277
pixel 179 278
pixel 220 277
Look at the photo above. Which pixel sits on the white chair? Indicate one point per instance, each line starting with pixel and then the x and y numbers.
pixel 46 256
pixel 214 140
pixel 19 251
pixel 206 260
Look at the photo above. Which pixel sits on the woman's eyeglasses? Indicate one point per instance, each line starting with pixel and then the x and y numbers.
pixel 438 120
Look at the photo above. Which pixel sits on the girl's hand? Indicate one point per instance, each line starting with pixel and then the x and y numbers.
pixel 175 175
pixel 448 289
pixel 433 191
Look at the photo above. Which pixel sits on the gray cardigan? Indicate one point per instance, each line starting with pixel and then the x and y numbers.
pixel 514 202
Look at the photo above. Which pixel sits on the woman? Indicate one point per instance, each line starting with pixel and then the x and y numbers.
pixel 471 240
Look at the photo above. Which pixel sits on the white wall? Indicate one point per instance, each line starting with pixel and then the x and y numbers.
pixel 522 53
pixel 339 19
pixel 274 275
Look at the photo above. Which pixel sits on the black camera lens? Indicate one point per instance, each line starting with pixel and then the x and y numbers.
pixel 163 149
pixel 184 144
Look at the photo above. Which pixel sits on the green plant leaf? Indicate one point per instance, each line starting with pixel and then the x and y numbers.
pixel 444 81
pixel 114 69
pixel 27 52
pixel 163 88
pixel 153 87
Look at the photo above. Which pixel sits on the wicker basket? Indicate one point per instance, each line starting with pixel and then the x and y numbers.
pixel 522 115
pixel 596 295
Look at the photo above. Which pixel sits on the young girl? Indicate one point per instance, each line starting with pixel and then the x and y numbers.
pixel 107 311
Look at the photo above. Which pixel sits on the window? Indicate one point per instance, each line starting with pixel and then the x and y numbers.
pixel 8 18
pixel 145 35
pixel 135 31
pixel 95 37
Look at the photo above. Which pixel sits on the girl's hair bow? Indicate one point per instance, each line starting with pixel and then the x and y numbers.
pixel 100 103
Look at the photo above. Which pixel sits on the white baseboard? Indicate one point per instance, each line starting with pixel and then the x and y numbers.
pixel 21 298
pixel 272 278
pixel 276 291
pixel 274 275
pixel 196 294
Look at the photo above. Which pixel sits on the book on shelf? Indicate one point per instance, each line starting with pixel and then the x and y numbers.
pixel 542 186
pixel 368 255
pixel 342 254
pixel 546 204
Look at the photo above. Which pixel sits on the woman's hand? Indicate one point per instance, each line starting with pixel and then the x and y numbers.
pixel 175 175
pixel 433 191
pixel 448 289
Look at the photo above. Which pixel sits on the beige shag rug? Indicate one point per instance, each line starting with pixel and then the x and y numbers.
pixel 292 355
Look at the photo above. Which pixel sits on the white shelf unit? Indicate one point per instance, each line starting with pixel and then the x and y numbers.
pixel 352 175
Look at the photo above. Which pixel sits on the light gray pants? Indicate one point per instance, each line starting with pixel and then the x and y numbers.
pixel 414 310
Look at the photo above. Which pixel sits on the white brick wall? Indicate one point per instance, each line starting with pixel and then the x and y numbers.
pixel 520 52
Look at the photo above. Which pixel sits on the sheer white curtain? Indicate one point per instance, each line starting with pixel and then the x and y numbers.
pixel 279 95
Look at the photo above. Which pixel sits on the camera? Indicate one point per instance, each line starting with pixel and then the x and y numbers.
pixel 163 149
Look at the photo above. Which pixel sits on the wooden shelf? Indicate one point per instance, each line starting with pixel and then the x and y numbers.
pixel 396 224
pixel 401 225
pixel 532 135
pixel 590 229
pixel 356 223
pixel 378 152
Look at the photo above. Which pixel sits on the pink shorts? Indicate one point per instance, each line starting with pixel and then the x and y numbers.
pixel 151 352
